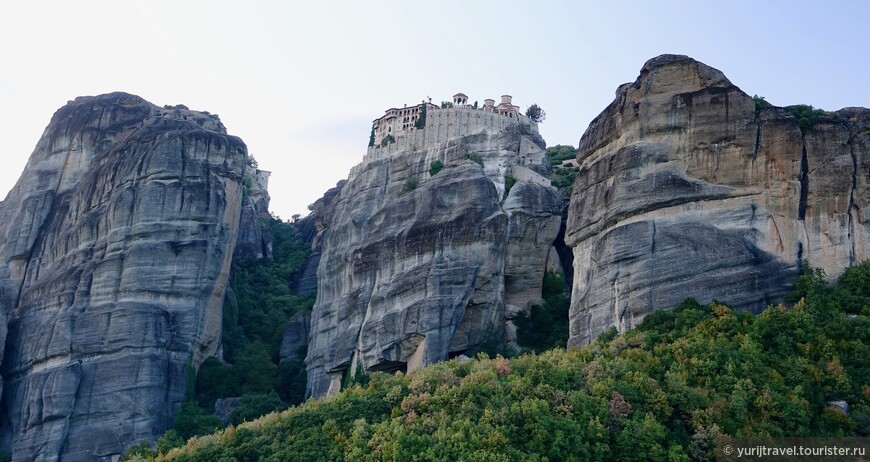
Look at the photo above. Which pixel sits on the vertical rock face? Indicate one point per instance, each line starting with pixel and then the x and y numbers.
pixel 115 245
pixel 415 267
pixel 255 237
pixel 686 190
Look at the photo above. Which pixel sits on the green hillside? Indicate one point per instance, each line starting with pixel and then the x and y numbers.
pixel 661 392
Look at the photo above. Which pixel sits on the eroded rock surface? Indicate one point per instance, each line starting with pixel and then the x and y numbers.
pixel 255 237
pixel 115 246
pixel 295 335
pixel 416 267
pixel 686 190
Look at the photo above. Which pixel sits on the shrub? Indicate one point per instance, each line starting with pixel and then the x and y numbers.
pixel 760 102
pixel 808 115
pixel 192 420
pixel 254 405
pixel 141 451
pixel 387 140
pixel 169 441
pixel 476 158
pixel 409 185
pixel 435 167
pixel 563 179
pixel 560 152
pixel 509 182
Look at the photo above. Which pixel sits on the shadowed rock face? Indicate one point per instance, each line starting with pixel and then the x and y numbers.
pixel 115 245
pixel 686 190
pixel 407 276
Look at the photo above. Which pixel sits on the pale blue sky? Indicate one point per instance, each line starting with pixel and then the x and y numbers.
pixel 301 84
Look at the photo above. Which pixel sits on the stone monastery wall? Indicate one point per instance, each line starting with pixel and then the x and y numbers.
pixel 443 125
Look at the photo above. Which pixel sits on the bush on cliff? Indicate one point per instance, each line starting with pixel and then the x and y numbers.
pixel 562 176
pixel 663 391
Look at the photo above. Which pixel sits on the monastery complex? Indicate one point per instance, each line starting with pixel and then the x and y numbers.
pixel 445 121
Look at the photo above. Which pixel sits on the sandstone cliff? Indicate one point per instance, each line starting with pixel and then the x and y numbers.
pixel 115 245
pixel 254 237
pixel 415 267
pixel 686 189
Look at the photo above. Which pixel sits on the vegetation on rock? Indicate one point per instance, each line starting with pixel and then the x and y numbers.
pixel 421 119
pixel 409 185
pixel 808 115
pixel 760 102
pixel 435 167
pixel 509 182
pixel 662 391
pixel 563 175
pixel 535 113
pixel 546 326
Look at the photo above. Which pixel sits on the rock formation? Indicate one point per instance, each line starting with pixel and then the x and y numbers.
pixel 115 246
pixel 686 189
pixel 295 335
pixel 255 237
pixel 416 267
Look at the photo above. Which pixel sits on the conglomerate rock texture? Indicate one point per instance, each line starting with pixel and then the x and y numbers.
pixel 415 267
pixel 686 189
pixel 115 246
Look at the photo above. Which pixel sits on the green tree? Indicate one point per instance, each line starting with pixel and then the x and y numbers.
pixel 546 326
pixel 292 378
pixel 169 441
pixel 372 137
pixel 254 405
pixel 192 420
pixel 421 118
pixel 436 167
pixel 535 113
pixel 808 115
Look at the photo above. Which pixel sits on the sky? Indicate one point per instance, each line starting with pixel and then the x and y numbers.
pixel 300 82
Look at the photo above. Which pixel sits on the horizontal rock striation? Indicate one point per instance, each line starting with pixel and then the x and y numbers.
pixel 415 267
pixel 686 189
pixel 115 246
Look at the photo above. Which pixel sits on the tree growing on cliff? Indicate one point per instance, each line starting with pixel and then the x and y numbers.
pixel 535 113
pixel 372 137
pixel 421 120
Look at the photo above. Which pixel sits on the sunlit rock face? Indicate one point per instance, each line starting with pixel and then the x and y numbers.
pixel 686 190
pixel 415 267
pixel 115 246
